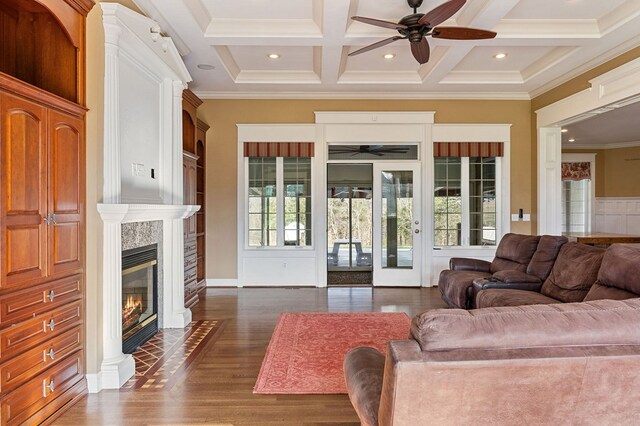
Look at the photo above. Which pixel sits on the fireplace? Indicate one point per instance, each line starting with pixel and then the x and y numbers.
pixel 139 296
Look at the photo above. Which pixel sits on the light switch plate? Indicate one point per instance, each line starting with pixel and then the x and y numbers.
pixel 526 217
pixel 514 217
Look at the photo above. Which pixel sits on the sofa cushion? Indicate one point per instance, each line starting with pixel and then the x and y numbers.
pixel 514 252
pixel 599 291
pixel 363 371
pixel 596 323
pixel 545 255
pixel 621 267
pixel 573 273
pixel 491 298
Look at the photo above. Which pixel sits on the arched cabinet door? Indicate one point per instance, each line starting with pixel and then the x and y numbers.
pixel 66 177
pixel 23 160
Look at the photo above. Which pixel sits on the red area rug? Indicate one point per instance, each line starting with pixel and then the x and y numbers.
pixel 306 350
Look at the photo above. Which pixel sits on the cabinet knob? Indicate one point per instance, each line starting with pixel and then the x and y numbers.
pixel 52 295
pixel 51 354
pixel 52 324
pixel 47 219
pixel 51 387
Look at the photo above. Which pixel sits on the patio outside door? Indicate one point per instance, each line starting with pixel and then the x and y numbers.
pixel 397 227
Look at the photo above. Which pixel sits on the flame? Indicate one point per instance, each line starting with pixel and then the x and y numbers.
pixel 132 303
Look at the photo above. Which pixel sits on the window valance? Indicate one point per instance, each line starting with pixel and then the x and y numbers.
pixel 468 149
pixel 278 149
pixel 576 171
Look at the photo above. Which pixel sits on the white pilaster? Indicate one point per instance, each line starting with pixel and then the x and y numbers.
pixel 116 367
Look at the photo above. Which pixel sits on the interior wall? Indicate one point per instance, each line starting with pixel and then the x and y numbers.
pixel 223 115
pixel 95 139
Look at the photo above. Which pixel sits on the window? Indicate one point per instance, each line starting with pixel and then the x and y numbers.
pixel 465 194
pixel 577 192
pixel 279 194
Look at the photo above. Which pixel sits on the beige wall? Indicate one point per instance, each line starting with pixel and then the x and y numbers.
pixel 617 171
pixel 95 133
pixel 223 115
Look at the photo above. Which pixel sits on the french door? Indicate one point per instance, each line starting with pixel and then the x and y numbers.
pixel 397 224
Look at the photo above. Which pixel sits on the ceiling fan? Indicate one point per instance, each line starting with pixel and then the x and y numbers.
pixel 377 150
pixel 417 26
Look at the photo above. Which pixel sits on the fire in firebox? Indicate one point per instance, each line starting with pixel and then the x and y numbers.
pixel 131 311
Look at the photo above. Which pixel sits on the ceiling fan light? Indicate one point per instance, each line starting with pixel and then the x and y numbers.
pixel 389 56
pixel 501 55
pixel 273 56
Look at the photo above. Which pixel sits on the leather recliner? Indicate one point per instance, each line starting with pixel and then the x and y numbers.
pixel 527 257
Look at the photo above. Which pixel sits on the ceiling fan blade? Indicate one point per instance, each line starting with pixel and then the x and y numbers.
pixel 462 33
pixel 376 45
pixel 421 51
pixel 441 13
pixel 380 23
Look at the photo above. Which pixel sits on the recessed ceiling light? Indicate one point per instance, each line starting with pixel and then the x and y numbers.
pixel 500 55
pixel 206 67
pixel 572 140
pixel 389 55
pixel 273 56
pixel 564 130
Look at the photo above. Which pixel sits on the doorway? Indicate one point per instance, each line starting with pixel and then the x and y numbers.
pixel 373 224
pixel 349 224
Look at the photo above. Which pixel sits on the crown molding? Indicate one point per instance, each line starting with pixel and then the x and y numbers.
pixel 489 96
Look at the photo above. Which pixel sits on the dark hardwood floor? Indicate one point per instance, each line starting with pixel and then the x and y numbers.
pixel 217 388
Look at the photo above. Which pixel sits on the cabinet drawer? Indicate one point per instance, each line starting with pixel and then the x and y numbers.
pixel 190 274
pixel 190 247
pixel 34 331
pixel 21 368
pixel 29 398
pixel 24 304
pixel 190 261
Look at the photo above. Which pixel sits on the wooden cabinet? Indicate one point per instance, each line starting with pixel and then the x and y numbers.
pixel 190 164
pixel 201 230
pixel 42 208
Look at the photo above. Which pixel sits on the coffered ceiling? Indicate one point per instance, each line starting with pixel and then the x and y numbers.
pixel 546 41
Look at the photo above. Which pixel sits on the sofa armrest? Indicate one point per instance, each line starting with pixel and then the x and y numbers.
pixel 464 264
pixel 484 284
pixel 363 374
pixel 513 276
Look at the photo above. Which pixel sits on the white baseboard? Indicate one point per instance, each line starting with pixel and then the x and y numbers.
pixel 94 382
pixel 222 282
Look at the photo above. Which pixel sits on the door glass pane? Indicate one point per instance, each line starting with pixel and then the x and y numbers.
pixel 297 201
pixel 397 219
pixel 349 217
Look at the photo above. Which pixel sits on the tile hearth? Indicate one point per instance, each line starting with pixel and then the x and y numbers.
pixel 169 352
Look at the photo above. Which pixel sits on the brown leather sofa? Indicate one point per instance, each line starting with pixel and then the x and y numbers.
pixel 573 363
pixel 517 255
pixel 580 273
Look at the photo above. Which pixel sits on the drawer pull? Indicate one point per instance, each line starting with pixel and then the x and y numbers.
pixel 51 386
pixel 51 354
pixel 52 324
pixel 52 295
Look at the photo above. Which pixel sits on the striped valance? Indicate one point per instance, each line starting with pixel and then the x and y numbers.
pixel 468 149
pixel 576 171
pixel 278 149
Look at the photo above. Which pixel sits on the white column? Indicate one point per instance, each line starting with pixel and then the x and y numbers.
pixel 175 314
pixel 112 31
pixel 549 180
pixel 116 367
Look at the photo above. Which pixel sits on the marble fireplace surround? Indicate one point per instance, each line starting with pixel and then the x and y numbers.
pixel 118 367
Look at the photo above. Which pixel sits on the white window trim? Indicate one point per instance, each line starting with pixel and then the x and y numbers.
pixel 591 159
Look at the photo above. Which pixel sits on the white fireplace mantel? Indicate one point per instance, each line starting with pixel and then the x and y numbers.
pixel 127 213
